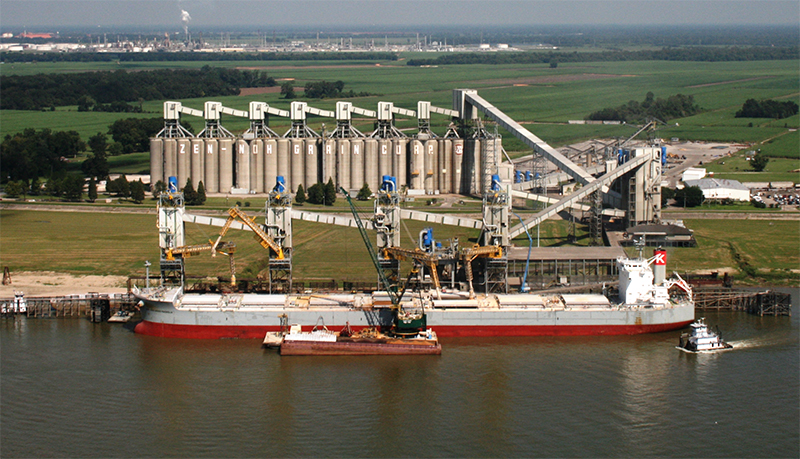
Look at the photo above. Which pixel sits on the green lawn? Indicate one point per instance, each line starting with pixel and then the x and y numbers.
pixel 772 254
pixel 736 167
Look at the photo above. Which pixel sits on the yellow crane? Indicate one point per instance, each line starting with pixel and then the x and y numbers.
pixel 260 236
pixel 471 253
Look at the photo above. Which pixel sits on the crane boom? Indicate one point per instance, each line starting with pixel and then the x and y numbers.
pixel 262 237
pixel 391 290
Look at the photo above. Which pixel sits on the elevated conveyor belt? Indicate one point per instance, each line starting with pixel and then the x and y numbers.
pixel 555 179
pixel 604 180
pixel 405 214
pixel 528 138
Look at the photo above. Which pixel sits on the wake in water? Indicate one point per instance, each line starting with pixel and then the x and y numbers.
pixel 774 339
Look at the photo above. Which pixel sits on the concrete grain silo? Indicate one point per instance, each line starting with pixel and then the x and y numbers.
pixel 156 161
pixel 356 164
pixel 343 163
pixel 385 157
pixel 371 164
pixel 443 170
pixel 416 165
pixel 297 161
pixel 242 165
pixel 170 159
pixel 257 165
pixel 284 163
pixel 311 162
pixel 225 165
pixel 328 154
pixel 196 163
pixel 211 164
pixel 270 163
pixel 431 154
pixel 457 166
pixel 182 161
pixel 400 161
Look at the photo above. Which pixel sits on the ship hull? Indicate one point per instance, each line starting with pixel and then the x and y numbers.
pixel 203 318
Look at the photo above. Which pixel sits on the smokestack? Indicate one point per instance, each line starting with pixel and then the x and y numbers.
pixel 659 266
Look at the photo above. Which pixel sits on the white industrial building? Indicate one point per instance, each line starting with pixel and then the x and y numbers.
pixel 721 189
pixel 693 173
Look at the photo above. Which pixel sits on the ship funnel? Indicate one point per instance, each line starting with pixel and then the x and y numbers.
pixel 659 266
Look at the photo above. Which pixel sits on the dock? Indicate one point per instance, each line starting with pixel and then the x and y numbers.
pixel 97 307
pixel 762 303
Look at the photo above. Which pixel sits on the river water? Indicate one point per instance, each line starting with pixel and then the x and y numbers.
pixel 70 388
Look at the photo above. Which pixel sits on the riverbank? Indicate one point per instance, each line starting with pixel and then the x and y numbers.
pixel 61 284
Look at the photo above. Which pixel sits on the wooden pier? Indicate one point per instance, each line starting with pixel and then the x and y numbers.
pixel 97 307
pixel 762 303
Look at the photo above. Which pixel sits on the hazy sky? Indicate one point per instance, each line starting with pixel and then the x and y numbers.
pixel 268 14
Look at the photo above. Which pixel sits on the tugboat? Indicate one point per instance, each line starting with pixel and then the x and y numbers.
pixel 701 340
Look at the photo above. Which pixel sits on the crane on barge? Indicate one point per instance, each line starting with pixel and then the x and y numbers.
pixel 406 321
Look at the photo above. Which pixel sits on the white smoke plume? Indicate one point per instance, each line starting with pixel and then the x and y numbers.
pixel 185 18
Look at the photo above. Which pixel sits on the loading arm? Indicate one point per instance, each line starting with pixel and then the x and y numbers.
pixel 260 110
pixel 429 260
pixel 186 251
pixel 172 110
pixel 470 254
pixel 262 237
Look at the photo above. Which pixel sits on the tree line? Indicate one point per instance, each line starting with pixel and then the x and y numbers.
pixel 676 106
pixel 704 54
pixel 767 109
pixel 193 57
pixel 37 92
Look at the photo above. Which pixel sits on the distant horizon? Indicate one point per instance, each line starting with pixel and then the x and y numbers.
pixel 356 14
pixel 380 29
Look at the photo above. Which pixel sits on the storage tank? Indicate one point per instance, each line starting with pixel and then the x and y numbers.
pixel 312 162
pixel 384 157
pixel 444 183
pixel 196 163
pixel 270 163
pixel 328 160
pixel 416 165
pixel 257 165
pixel 399 161
pixel 225 165
pixel 170 158
pixel 184 149
pixel 211 164
pixel 371 176
pixel 297 163
pixel 457 166
pixel 431 160
pixel 356 164
pixel 242 165
pixel 284 161
pixel 343 163
pixel 156 161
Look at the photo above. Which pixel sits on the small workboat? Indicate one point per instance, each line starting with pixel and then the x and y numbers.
pixel 700 339
pixel 120 316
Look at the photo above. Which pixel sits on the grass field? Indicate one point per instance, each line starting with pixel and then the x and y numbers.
pixel 527 93
pixel 737 167
pixel 773 256
pixel 118 244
